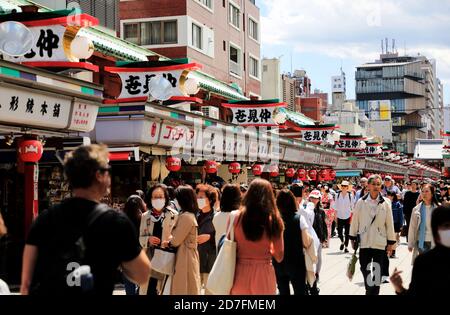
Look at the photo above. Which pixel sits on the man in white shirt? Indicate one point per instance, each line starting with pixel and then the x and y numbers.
pixel 343 204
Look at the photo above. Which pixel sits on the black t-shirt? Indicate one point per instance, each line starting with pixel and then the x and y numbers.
pixel 110 240
pixel 409 202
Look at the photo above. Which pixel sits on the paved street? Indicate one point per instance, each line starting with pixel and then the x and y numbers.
pixel 334 280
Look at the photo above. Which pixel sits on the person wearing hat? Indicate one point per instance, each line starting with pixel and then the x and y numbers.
pixel 343 204
pixel 363 191
pixel 320 227
pixel 389 185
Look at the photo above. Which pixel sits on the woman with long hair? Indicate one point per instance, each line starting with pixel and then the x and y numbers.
pixel 420 236
pixel 258 231
pixel 292 270
pixel 156 226
pixel 186 279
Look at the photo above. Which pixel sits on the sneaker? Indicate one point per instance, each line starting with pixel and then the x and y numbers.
pixel 346 250
pixel 342 246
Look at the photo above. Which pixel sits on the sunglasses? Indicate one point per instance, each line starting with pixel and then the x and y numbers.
pixel 105 169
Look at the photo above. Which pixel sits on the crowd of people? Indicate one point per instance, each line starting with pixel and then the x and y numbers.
pixel 279 233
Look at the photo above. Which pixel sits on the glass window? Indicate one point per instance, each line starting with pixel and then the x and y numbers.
pixel 131 33
pixel 196 36
pixel 234 15
pixel 254 67
pixel 235 61
pixel 170 32
pixel 253 29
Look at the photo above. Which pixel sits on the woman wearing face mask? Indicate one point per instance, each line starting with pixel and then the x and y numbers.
pixel 420 236
pixel 156 227
pixel 430 275
pixel 206 198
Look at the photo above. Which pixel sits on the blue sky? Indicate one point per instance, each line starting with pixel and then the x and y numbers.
pixel 322 35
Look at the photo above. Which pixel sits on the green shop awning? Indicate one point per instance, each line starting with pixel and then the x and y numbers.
pixel 348 173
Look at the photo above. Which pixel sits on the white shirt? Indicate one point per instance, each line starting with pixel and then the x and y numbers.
pixel 428 232
pixel 220 225
pixel 343 205
pixel 307 213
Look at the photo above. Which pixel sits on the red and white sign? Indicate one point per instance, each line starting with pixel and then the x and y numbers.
pixel 173 164
pixel 257 115
pixel 234 168
pixel 211 167
pixel 30 151
pixel 290 172
pixel 257 169
pixel 176 136
pixel 84 117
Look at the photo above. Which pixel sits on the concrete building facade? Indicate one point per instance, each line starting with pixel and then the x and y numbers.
pixel 223 36
pixel 271 87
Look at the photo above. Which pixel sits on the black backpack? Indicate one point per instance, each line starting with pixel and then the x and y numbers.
pixel 66 272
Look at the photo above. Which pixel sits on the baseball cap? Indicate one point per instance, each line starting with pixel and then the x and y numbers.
pixel 315 194
pixel 388 178
pixel 363 180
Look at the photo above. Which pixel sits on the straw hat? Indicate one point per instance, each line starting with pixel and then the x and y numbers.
pixel 345 183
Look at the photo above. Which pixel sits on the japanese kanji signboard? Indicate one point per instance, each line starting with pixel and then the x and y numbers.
pixel 136 81
pixel 29 107
pixel 350 144
pixel 83 116
pixel 255 113
pixel 316 134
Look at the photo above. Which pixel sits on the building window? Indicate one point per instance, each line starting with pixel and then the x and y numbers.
pixel 206 3
pixel 234 15
pixel 152 33
pixel 196 36
pixel 131 32
pixel 254 67
pixel 235 60
pixel 253 1
pixel 253 29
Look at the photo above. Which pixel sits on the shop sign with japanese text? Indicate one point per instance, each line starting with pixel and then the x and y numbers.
pixel 315 136
pixel 83 116
pixel 254 113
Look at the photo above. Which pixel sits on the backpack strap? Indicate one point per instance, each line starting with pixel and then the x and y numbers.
pixel 98 211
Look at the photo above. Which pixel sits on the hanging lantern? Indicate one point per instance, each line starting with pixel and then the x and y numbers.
pixel 290 172
pixel 301 173
pixel 312 174
pixel 173 164
pixel 332 174
pixel 323 175
pixel 234 168
pixel 30 150
pixel 257 169
pixel 211 167
pixel 274 171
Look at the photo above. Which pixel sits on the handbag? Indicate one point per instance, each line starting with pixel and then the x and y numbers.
pixel 163 261
pixel 221 277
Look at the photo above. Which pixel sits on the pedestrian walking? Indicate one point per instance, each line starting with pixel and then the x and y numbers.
pixel 258 232
pixel 156 227
pixel 420 236
pixel 292 269
pixel 186 278
pixel 343 205
pixel 82 232
pixel 206 199
pixel 397 214
pixel 410 202
pixel 430 275
pixel 373 222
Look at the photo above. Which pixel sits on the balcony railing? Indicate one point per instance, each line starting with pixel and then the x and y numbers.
pixel 408 124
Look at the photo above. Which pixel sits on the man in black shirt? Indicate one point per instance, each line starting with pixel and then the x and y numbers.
pixel 410 201
pixel 108 237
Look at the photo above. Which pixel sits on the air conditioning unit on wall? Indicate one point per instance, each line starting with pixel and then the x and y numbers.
pixel 211 111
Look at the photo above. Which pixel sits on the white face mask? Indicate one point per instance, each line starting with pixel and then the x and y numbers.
pixel 158 204
pixel 444 236
pixel 201 203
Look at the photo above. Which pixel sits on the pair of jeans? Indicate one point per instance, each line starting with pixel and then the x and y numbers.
pixel 372 262
pixel 344 225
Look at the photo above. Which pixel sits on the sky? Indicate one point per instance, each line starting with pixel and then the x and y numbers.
pixel 320 36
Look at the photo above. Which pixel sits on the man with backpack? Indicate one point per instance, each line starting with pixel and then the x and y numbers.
pixel 343 206
pixel 78 246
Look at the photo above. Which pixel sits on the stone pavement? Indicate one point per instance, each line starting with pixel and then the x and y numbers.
pixel 333 276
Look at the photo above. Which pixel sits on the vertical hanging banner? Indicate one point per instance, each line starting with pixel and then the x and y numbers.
pixel 264 113
pixel 316 134
pixel 137 84
pixel 53 34
pixel 351 143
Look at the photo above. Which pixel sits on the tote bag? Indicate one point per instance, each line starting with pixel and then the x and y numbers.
pixel 163 261
pixel 221 277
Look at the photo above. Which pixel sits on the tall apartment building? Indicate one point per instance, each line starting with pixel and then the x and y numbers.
pixel 224 36
pixel 295 85
pixel 406 85
pixel 439 112
pixel 446 118
pixel 338 90
pixel 271 79
pixel 324 97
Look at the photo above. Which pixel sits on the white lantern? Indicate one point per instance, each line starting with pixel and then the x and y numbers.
pixel 81 47
pixel 160 88
pixel 392 156
pixel 191 86
pixel 362 145
pixel 379 150
pixel 280 117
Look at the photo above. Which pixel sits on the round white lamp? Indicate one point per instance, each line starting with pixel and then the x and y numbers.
pixel 82 47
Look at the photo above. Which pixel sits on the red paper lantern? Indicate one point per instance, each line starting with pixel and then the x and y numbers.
pixel 173 164
pixel 234 168
pixel 323 175
pixel 290 172
pixel 30 150
pixel 332 174
pixel 274 171
pixel 257 169
pixel 301 173
pixel 312 174
pixel 446 172
pixel 211 167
